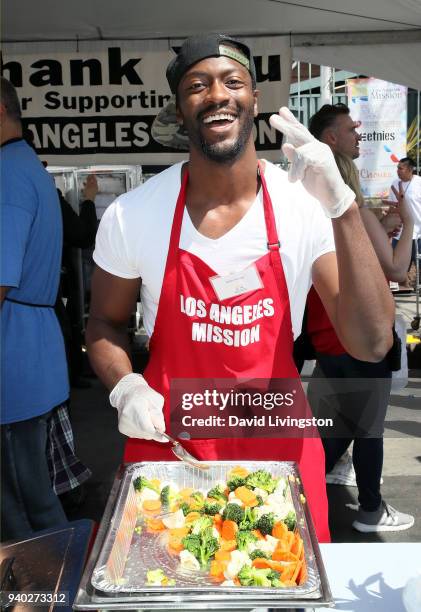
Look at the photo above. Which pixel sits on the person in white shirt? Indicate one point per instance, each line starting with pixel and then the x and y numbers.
pixel 410 185
pixel 223 249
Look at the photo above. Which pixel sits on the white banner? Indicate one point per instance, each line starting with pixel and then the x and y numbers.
pixel 382 109
pixel 95 103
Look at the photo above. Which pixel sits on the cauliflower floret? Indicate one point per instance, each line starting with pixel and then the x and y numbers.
pixel 175 519
pixel 237 560
pixel 280 487
pixel 189 561
pixel 263 494
pixel 267 545
pixel 234 500
pixel 261 510
pixel 278 506
pixel 216 533
pixel 145 494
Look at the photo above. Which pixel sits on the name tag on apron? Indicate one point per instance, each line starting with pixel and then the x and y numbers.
pixel 236 283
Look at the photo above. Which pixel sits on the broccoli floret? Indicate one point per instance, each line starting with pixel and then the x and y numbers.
pixel 244 538
pixel 235 482
pixel 192 543
pixel 265 523
pixel 155 576
pixel 185 507
pixel 218 494
pixel 249 519
pixel 263 480
pixel 141 482
pixel 290 520
pixel 168 496
pixel 259 500
pixel 211 507
pixel 258 554
pixel 233 512
pixel 253 576
pixel 275 578
pixel 197 501
pixel 202 545
pixel 202 523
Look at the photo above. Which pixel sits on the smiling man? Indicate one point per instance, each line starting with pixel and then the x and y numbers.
pixel 223 250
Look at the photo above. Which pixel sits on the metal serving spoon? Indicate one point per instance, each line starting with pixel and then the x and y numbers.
pixel 181 453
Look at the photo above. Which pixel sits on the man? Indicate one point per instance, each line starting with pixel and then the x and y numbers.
pixel 410 184
pixel 180 236
pixel 359 403
pixel 33 362
pixel 333 125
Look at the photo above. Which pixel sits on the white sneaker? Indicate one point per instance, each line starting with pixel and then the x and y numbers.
pixel 385 518
pixel 343 472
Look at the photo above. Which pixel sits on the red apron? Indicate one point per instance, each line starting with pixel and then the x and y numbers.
pixel 173 355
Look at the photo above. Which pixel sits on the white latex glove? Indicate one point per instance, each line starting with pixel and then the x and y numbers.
pixel 313 163
pixel 139 408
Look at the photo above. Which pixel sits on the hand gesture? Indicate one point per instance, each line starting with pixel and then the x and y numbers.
pixel 313 163
pixel 90 188
pixel 400 206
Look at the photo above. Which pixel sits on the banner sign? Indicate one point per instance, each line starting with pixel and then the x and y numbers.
pixel 95 102
pixel 381 107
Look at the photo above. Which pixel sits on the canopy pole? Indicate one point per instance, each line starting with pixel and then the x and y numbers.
pixel 325 85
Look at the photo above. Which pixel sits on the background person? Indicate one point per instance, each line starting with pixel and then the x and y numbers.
pixel 358 405
pixel 220 213
pixel 410 185
pixel 33 361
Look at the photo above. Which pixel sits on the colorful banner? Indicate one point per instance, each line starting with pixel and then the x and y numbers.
pixel 95 102
pixel 381 107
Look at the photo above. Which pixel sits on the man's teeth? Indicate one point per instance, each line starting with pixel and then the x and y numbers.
pixel 219 117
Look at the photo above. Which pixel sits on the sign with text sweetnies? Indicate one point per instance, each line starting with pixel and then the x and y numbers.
pixel 382 110
pixel 95 102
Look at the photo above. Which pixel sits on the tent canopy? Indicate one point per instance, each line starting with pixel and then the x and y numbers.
pixel 326 32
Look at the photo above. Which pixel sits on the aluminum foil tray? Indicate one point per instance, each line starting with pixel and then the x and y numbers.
pixel 126 556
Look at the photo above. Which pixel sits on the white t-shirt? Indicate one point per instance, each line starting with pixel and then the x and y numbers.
pixel 412 191
pixel 133 237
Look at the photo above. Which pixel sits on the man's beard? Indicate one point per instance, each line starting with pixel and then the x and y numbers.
pixel 224 152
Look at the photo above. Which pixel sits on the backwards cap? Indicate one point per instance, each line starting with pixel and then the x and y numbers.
pixel 197 48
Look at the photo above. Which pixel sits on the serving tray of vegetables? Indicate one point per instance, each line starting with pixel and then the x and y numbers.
pixel 240 529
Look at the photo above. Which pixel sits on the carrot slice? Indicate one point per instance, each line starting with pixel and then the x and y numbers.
pixel 186 492
pixel 259 535
pixel 280 555
pixel 279 530
pixel 178 532
pixel 303 575
pixel 154 524
pixel 228 545
pixel 176 544
pixel 229 530
pixel 246 496
pixel 297 571
pixel 261 563
pixel 152 505
pixel 222 555
pixel 297 546
pixel 287 572
pixel 217 571
pixel 239 471
pixel 192 516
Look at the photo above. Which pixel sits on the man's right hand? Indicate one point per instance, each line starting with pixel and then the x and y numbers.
pixel 90 188
pixel 140 408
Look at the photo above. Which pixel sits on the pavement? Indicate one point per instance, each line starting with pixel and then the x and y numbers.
pixel 100 446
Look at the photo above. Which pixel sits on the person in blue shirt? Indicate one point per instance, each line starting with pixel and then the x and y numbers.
pixel 33 362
